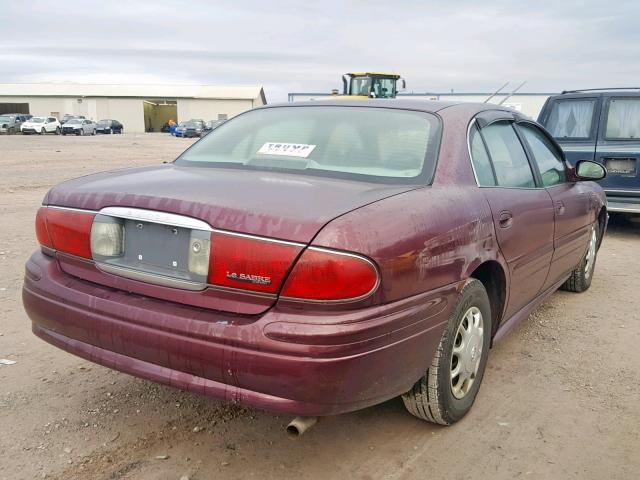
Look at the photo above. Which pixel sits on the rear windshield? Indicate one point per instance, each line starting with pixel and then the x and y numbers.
pixel 623 119
pixel 372 144
pixel 571 118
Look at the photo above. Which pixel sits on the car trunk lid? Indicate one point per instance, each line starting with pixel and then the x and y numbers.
pixel 287 209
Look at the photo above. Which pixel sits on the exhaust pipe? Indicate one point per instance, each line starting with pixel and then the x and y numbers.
pixel 299 425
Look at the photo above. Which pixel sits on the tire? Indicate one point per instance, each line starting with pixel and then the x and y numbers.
pixel 580 279
pixel 11 131
pixel 110 131
pixel 94 132
pixel 438 397
pixel 57 130
pixel 80 132
pixel 43 131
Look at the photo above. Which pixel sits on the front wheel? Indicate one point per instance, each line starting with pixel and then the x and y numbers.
pixel 43 131
pixel 447 390
pixel 93 132
pixel 57 130
pixel 80 132
pixel 580 279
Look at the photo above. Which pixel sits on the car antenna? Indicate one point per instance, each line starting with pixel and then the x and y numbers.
pixel 514 91
pixel 495 93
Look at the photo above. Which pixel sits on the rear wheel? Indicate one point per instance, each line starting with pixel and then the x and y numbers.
pixel 80 131
pixel 580 279
pixel 447 390
pixel 43 131
pixel 93 132
pixel 57 130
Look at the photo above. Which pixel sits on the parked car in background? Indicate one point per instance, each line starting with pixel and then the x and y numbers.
pixel 10 123
pixel 602 125
pixel 109 126
pixel 211 124
pixel 190 128
pixel 68 117
pixel 320 258
pixel 41 125
pixel 77 126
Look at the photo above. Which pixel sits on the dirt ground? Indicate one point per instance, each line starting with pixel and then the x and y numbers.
pixel 560 399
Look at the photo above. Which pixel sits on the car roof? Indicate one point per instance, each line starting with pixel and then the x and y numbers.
pixel 423 105
pixel 599 92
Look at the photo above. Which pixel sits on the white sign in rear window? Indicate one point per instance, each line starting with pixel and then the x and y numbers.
pixel 287 149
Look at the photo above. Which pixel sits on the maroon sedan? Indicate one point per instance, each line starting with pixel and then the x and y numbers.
pixel 321 257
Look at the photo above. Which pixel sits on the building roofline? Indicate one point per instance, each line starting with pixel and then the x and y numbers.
pixel 457 94
pixel 168 91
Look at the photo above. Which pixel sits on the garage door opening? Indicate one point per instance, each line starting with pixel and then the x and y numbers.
pixel 158 112
pixel 14 108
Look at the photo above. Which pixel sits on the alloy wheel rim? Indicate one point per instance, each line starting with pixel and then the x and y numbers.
pixel 467 352
pixel 591 254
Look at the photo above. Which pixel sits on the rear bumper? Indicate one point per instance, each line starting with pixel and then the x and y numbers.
pixel 302 363
pixel 623 202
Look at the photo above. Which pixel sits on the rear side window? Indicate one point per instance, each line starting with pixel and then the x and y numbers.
pixel 545 155
pixel 372 144
pixel 481 161
pixel 623 119
pixel 571 119
pixel 508 157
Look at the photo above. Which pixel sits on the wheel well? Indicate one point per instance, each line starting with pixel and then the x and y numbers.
pixel 602 223
pixel 493 278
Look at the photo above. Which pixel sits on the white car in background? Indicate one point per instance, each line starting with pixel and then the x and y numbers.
pixel 79 126
pixel 41 125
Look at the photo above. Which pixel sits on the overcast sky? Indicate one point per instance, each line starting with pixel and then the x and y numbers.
pixel 301 46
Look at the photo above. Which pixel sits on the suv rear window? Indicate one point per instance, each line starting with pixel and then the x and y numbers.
pixel 363 143
pixel 571 118
pixel 623 119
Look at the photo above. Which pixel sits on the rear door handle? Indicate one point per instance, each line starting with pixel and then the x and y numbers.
pixel 506 219
pixel 560 208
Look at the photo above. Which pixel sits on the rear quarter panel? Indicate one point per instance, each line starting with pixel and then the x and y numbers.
pixel 421 240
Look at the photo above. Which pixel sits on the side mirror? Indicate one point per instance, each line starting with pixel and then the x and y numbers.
pixel 588 170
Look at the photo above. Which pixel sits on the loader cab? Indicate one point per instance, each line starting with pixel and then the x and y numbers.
pixel 372 85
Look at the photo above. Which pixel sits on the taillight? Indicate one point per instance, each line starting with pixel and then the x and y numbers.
pixel 41 228
pixel 65 230
pixel 249 263
pixel 327 275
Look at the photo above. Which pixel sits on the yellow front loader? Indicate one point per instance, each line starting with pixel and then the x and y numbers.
pixel 372 85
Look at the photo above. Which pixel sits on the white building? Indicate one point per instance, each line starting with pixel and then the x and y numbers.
pixel 139 108
pixel 529 104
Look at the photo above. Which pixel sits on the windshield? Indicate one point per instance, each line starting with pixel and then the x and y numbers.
pixel 104 122
pixel 74 121
pixel 376 144
pixel 36 120
pixel 571 118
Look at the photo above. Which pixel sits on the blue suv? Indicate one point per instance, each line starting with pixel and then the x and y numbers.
pixel 601 125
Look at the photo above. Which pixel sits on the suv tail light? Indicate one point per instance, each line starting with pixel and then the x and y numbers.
pixel 65 230
pixel 327 275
